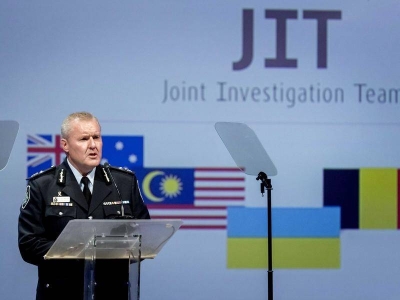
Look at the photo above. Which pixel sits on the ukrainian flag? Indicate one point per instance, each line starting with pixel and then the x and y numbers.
pixel 302 238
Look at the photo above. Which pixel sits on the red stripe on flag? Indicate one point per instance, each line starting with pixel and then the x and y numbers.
pixel 220 198
pixel 219 188
pixel 210 169
pixel 219 179
pixel 398 199
pixel 213 227
pixel 184 206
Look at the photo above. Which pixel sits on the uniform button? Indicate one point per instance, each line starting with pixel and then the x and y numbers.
pixel 47 286
pixel 90 217
pixel 60 213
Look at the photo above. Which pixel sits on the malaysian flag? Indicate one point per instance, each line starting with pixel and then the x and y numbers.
pixel 198 196
pixel 44 151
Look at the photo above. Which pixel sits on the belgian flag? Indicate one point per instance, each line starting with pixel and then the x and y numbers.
pixel 368 197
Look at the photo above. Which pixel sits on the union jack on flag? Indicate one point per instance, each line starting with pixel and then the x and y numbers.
pixel 44 151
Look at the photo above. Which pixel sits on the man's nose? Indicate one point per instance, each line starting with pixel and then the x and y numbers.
pixel 92 143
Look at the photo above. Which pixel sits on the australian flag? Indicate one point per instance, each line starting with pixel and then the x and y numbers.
pixel 44 151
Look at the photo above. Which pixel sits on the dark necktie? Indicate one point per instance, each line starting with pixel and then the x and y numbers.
pixel 86 190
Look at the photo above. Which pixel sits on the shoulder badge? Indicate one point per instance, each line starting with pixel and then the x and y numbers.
pixel 27 197
pixel 38 174
pixel 122 169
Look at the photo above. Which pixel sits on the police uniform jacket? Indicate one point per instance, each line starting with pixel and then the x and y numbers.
pixel 42 219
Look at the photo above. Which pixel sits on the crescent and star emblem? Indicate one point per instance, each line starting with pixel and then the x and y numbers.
pixel 146 186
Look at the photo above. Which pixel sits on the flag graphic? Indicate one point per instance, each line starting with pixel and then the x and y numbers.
pixel 44 151
pixel 369 197
pixel 302 238
pixel 198 196
pixel 123 151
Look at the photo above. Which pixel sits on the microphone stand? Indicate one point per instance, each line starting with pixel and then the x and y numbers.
pixel 122 216
pixel 266 183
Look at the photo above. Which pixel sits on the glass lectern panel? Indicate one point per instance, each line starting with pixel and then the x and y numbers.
pixel 77 235
pixel 112 251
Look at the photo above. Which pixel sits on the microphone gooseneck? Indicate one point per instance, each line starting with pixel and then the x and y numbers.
pixel 107 168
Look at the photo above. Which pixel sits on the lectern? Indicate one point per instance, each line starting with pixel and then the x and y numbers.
pixel 123 242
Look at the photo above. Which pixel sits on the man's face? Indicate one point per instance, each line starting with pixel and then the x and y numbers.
pixel 83 145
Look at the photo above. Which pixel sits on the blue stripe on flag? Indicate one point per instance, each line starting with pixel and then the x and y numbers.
pixel 286 222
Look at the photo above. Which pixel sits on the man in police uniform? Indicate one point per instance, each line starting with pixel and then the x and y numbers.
pixel 56 196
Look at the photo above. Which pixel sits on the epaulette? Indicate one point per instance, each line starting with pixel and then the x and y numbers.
pixel 40 173
pixel 122 169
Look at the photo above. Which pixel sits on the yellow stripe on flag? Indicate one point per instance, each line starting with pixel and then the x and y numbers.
pixel 378 198
pixel 288 253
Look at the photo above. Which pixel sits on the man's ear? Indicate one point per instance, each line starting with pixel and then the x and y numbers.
pixel 64 145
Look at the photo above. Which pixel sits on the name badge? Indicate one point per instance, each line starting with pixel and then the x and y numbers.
pixel 116 202
pixel 61 199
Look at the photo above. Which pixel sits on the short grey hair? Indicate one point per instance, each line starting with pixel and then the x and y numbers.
pixel 80 116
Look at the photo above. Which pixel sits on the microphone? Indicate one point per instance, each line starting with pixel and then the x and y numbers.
pixel 122 216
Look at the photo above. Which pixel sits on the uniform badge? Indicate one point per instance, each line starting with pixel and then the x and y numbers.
pixel 61 177
pixel 63 199
pixel 27 197
pixel 60 200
